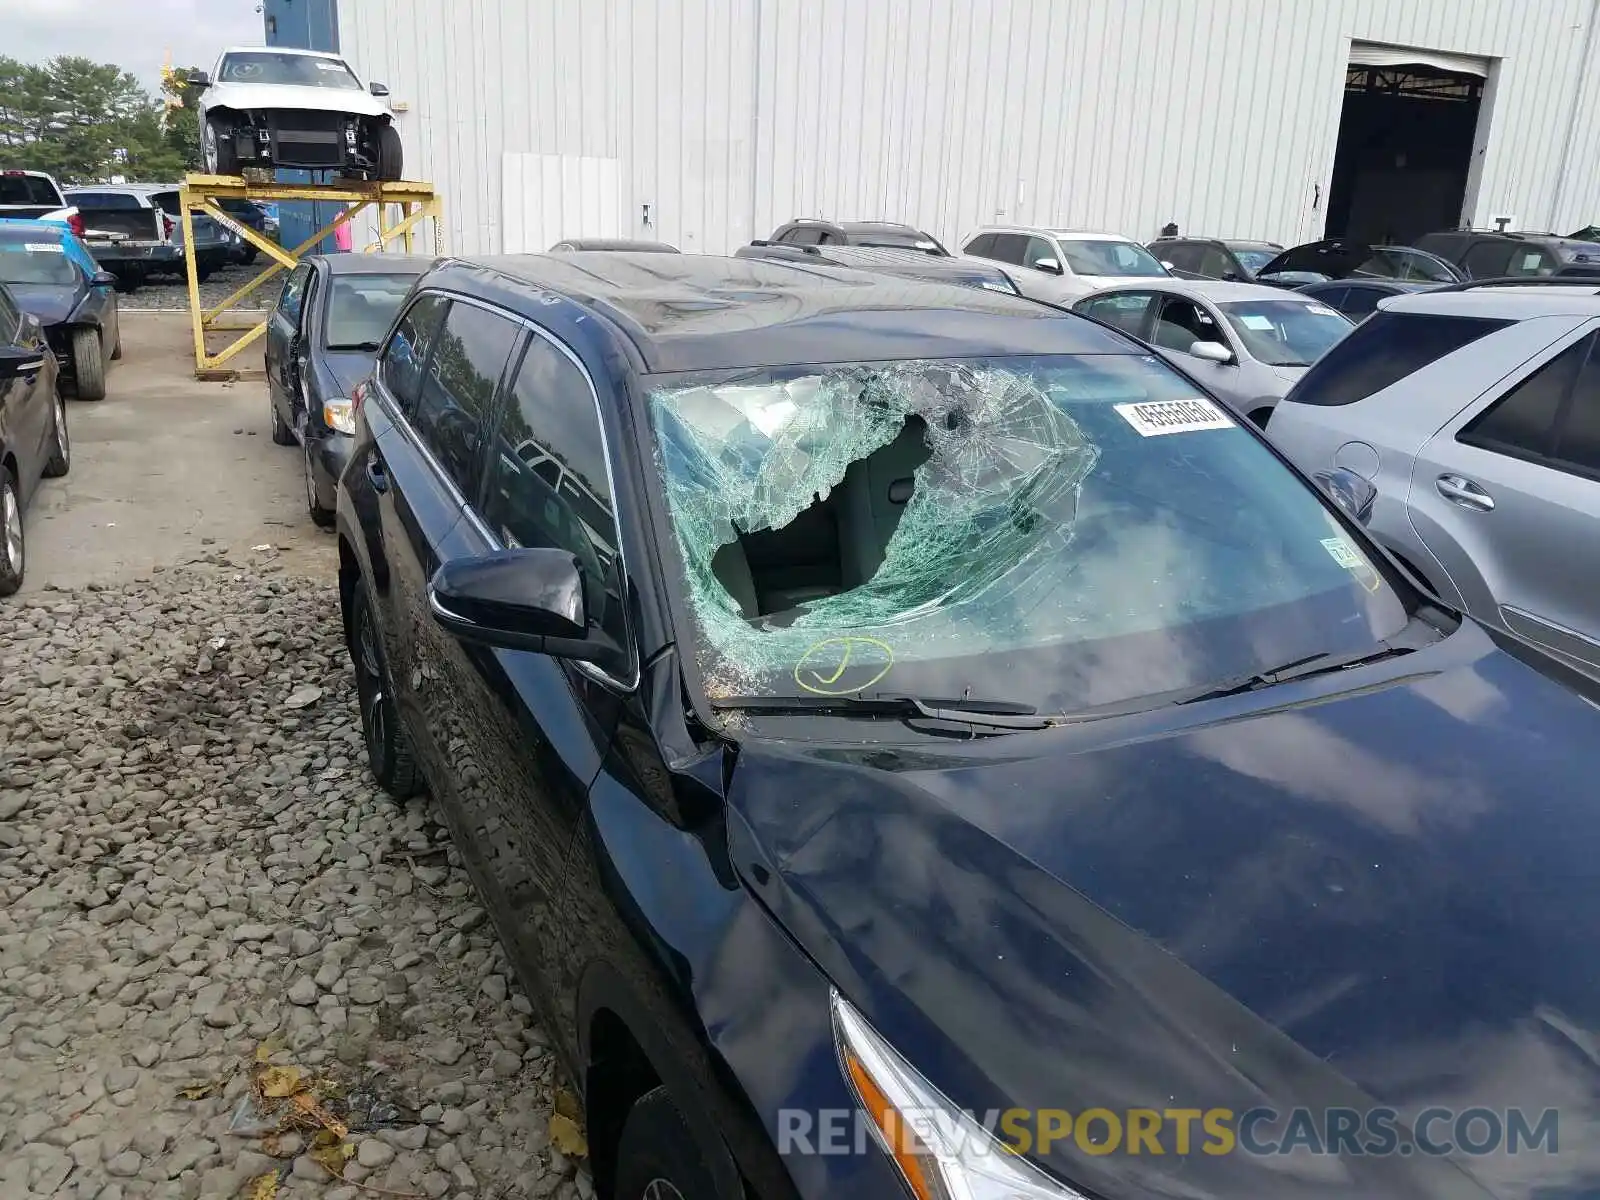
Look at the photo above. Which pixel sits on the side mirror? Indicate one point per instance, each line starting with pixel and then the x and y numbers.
pixel 1211 352
pixel 103 279
pixel 17 360
pixel 1233 277
pixel 1049 266
pixel 1349 491
pixel 379 89
pixel 198 79
pixel 524 599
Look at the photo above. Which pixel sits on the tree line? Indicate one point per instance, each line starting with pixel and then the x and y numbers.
pixel 84 122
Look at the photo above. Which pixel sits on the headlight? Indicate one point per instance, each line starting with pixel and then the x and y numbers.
pixel 942 1153
pixel 339 415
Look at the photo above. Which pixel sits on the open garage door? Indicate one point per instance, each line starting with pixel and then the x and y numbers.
pixel 1406 133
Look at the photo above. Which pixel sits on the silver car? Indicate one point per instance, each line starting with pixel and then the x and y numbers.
pixel 1475 412
pixel 1248 344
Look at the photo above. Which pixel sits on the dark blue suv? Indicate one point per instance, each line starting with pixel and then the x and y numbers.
pixel 914 743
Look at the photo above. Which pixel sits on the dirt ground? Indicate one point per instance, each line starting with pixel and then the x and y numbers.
pixel 166 470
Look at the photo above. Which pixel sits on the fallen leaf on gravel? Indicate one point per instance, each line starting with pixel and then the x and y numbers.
pixel 566 1137
pixel 278 1082
pixel 331 1150
pixel 263 1187
pixel 198 1091
pixel 307 1103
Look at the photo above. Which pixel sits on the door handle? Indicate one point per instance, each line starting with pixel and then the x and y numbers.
pixel 1458 489
pixel 376 475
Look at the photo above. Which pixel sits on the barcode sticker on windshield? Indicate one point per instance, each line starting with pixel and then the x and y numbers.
pixel 1320 310
pixel 43 247
pixel 1343 553
pixel 1156 417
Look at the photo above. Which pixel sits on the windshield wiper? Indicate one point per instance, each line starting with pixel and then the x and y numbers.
pixel 990 714
pixel 366 346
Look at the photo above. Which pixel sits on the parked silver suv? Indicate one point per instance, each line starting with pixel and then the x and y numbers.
pixel 1475 410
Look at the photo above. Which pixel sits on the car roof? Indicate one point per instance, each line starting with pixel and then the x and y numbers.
pixel 1503 303
pixel 1215 290
pixel 11 225
pixel 1087 235
pixel 377 264
pixel 691 312
pixel 580 243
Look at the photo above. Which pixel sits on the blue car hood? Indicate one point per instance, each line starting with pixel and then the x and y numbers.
pixel 1376 889
pixel 51 303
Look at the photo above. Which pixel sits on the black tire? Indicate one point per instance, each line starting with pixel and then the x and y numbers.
pixel 116 349
pixel 60 460
pixel 282 435
pixel 248 254
pixel 391 156
pixel 321 517
pixel 656 1154
pixel 89 364
pixel 13 560
pixel 220 158
pixel 202 273
pixel 388 748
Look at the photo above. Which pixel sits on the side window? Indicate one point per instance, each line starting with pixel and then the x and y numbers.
pixel 1531 260
pixel 803 237
pixel 458 389
pixel 981 246
pixel 1357 302
pixel 1010 247
pixel 400 368
pixel 1580 435
pixel 1038 249
pixel 1217 263
pixel 1183 323
pixel 547 481
pixel 1488 259
pixel 307 303
pixel 1384 348
pixel 292 298
pixel 1126 310
pixel 10 318
pixel 1523 421
pixel 1180 254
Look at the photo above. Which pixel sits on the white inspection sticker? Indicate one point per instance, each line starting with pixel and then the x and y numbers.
pixel 1321 310
pixel 1155 417
pixel 43 248
pixel 1255 321
pixel 1343 553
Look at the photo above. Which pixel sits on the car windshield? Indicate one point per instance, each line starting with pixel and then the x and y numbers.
pixel 361 308
pixel 300 70
pixel 1060 531
pixel 35 259
pixel 1102 257
pixel 1254 260
pixel 1286 333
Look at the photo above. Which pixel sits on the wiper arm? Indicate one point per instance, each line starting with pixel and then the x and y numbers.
pixel 990 714
pixel 364 346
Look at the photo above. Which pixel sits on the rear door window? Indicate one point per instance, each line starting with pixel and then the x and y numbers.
pixel 400 367
pixel 1384 349
pixel 1522 422
pixel 1010 247
pixel 1183 255
pixel 1579 443
pixel 1487 260
pixel 1217 263
pixel 458 388
pixel 1128 311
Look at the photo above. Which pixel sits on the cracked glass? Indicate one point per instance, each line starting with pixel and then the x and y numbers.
pixel 1053 530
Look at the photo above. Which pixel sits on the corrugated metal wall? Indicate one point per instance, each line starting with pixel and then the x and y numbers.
pixel 730 116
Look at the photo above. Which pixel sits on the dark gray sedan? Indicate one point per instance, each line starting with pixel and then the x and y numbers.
pixel 321 339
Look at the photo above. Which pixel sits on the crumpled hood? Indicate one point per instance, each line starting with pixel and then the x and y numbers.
pixel 1385 897
pixel 51 303
pixel 1289 373
pixel 258 96
pixel 348 368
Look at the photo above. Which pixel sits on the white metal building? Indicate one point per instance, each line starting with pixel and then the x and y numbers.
pixel 708 122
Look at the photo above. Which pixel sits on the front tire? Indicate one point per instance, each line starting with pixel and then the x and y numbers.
pixel 391 155
pixel 89 364
pixel 282 435
pixel 388 748
pixel 60 460
pixel 217 150
pixel 13 560
pixel 656 1155
pixel 321 517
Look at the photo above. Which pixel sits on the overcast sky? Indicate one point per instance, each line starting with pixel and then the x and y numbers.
pixel 134 34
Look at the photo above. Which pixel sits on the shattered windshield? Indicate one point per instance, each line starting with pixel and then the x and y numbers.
pixel 1058 530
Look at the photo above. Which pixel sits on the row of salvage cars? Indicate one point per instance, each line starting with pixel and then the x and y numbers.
pixel 866 704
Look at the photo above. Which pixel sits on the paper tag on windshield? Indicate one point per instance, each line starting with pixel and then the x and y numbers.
pixel 1343 553
pixel 1255 321
pixel 1156 417
pixel 43 247
pixel 1321 311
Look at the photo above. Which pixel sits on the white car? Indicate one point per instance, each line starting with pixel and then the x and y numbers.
pixel 272 107
pixel 1061 265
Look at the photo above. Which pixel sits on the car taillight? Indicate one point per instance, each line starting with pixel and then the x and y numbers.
pixel 75 223
pixel 358 396
pixel 167 225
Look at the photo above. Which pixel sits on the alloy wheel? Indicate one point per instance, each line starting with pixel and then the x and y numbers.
pixel 11 528
pixel 661 1189
pixel 63 439
pixel 369 689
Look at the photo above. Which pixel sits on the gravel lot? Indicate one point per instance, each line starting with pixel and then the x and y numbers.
pixel 172 291
pixel 225 957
